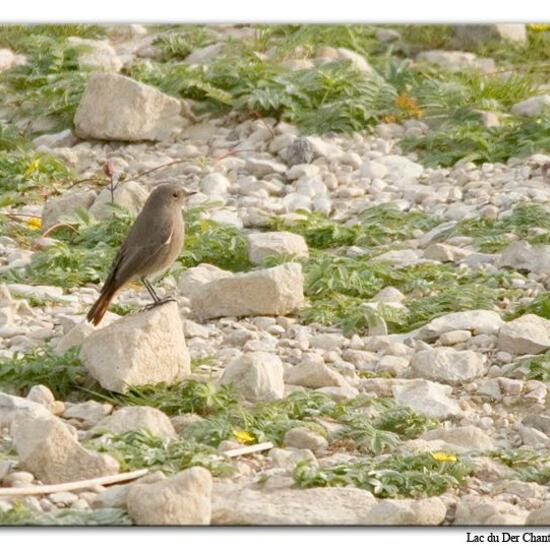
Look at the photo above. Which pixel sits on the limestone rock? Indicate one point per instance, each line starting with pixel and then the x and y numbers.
pixel 540 516
pixel 407 511
pixel 115 107
pixel 11 405
pixel 442 252
pixel 74 337
pixel 147 347
pixel 456 60
pixel 467 437
pixel 313 373
pixel 65 206
pixel 358 62
pixel 88 412
pixel 477 510
pixel 256 376
pixel 275 243
pixel 182 499
pixel 318 506
pixel 274 291
pixel 129 419
pixel 302 438
pixel 430 398
pixel 96 54
pixel 401 168
pixel 195 277
pixel 479 321
pixel 475 35
pixel 129 195
pixel 526 334
pixel 533 106
pixel 447 365
pixel 522 255
pixel 48 448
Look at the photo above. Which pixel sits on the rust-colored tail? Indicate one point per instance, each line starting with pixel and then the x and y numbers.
pixel 99 308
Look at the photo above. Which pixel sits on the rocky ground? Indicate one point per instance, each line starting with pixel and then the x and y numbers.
pixel 382 319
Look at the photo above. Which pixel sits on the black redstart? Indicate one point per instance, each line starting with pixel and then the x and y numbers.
pixel 151 246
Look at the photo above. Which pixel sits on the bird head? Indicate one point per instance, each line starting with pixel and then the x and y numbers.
pixel 172 193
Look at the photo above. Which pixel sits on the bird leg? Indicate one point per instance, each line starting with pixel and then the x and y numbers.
pixel 156 300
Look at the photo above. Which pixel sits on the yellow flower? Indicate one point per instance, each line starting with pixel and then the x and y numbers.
pixel 34 223
pixel 243 437
pixel 408 104
pixel 539 27
pixel 33 167
pixel 444 457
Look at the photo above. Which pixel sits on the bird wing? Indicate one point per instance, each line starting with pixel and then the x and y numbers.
pixel 142 247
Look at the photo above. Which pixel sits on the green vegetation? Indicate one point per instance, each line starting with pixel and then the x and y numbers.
pixel 20 515
pixel 397 476
pixel 537 368
pixel 377 225
pixel 140 449
pixel 63 374
pixel 494 235
pixel 184 397
pixel 530 465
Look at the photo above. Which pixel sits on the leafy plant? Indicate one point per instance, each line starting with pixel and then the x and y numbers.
pixel 184 397
pixel 63 374
pixel 397 476
pixel 179 44
pixel 20 515
pixel 529 464
pixel 140 449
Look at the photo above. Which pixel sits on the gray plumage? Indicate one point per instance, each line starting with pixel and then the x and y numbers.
pixel 152 245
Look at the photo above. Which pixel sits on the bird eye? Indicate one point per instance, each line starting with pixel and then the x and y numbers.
pixel 175 194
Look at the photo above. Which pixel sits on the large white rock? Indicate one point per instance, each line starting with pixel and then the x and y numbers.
pixel 256 376
pixel 540 516
pixel 522 255
pixel 48 449
pixel 274 291
pixel 447 365
pixel 195 277
pixel 96 54
pixel 320 506
pixel 407 511
pixel 115 107
pixel 429 398
pixel 401 168
pixel 475 35
pixel 481 510
pixel 470 438
pixel 275 243
pixel 128 419
pixel 11 406
pixel 313 373
pixel 129 195
pixel 232 505
pixel 147 347
pixel 65 206
pixel 479 321
pixel 358 62
pixel 182 499
pixel 533 106
pixel 526 334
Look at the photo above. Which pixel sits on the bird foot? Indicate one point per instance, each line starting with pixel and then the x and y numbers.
pixel 159 303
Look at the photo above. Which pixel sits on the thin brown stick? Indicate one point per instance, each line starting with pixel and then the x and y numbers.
pixel 72 485
pixel 57 226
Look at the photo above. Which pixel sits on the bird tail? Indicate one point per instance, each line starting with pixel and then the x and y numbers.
pixel 99 308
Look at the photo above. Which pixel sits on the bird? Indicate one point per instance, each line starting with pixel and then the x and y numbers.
pixel 152 245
